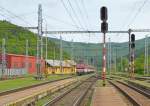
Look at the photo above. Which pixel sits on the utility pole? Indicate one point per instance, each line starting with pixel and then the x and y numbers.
pixel 115 59
pixel 46 71
pixel 72 50
pixel 61 54
pixel 54 53
pixel 3 58
pixel 129 68
pixel 39 44
pixel 104 29
pixel 132 54
pixel 96 62
pixel 121 64
pixel 46 44
pixel 109 56
pixel 26 59
pixel 146 57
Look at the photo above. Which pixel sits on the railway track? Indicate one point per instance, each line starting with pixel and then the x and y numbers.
pixel 73 96
pixel 137 96
pixel 31 86
pixel 30 95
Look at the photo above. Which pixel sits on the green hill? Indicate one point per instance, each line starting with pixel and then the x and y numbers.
pixel 16 37
pixel 92 52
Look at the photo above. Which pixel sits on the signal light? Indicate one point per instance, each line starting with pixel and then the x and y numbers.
pixel 133 45
pixel 104 27
pixel 104 14
pixel 132 41
pixel 132 38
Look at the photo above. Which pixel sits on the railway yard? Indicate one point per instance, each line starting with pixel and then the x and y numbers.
pixel 74 53
pixel 86 90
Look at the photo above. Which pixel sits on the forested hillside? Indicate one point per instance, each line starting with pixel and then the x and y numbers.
pixel 16 37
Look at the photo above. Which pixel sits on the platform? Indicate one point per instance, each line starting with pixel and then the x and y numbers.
pixel 107 96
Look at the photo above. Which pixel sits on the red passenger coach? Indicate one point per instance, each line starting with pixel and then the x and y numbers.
pixel 84 69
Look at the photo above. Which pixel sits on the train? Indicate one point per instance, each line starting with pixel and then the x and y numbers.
pixel 82 69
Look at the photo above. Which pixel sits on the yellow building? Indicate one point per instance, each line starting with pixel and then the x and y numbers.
pixel 73 65
pixel 58 67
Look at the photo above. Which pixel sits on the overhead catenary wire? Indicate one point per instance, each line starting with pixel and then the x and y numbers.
pixel 14 15
pixel 86 13
pixel 77 18
pixel 137 13
pixel 62 21
pixel 68 12
pixel 81 14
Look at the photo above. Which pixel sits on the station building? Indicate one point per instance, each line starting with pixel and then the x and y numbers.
pixel 60 67
pixel 20 64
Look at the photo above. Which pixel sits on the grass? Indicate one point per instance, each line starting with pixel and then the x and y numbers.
pixel 27 81
pixel 144 83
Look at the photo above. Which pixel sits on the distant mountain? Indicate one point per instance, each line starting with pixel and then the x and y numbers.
pixel 92 52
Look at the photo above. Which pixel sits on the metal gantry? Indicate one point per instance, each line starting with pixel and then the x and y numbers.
pixel 88 31
pixel 40 32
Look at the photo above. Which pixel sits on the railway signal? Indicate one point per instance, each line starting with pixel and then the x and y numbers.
pixel 104 15
pixel 132 54
pixel 132 41
pixel 104 29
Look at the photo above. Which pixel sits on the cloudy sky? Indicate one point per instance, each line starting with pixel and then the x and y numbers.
pixel 80 15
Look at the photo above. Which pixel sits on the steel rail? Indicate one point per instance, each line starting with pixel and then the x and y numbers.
pixel 132 99
pixel 136 89
pixel 77 102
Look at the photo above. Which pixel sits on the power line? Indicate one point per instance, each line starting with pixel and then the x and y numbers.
pixel 69 13
pixel 80 12
pixel 14 15
pixel 137 13
pixel 62 21
pixel 75 14
pixel 85 11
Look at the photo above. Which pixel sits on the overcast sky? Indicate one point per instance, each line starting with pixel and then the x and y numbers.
pixel 123 14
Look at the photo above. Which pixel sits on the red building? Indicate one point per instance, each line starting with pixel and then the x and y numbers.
pixel 19 62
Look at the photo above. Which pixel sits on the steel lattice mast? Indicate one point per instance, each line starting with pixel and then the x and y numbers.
pixel 3 58
pixel 26 59
pixel 39 43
